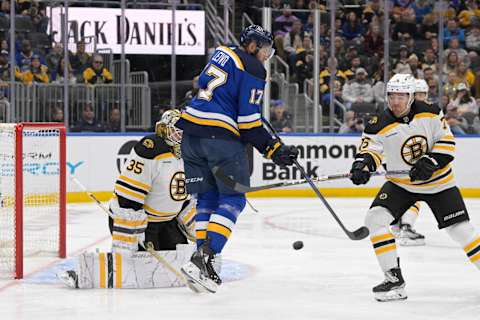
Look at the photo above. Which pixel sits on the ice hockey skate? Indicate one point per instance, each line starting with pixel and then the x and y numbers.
pixel 408 237
pixel 200 269
pixel 392 288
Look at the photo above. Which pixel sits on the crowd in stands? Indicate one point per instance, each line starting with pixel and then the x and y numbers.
pixel 359 51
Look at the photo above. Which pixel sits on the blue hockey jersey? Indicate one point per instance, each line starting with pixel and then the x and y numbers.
pixel 228 104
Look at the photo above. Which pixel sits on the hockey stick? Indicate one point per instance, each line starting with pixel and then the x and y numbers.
pixel 149 247
pixel 358 234
pixel 229 182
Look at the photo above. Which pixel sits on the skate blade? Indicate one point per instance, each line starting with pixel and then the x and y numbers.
pixel 406 242
pixel 392 295
pixel 194 284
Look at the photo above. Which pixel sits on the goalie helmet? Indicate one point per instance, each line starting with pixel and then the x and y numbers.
pixel 166 129
pixel 401 83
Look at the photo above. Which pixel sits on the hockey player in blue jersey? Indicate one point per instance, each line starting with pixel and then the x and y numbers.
pixel 219 122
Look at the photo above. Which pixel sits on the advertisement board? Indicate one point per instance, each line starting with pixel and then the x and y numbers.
pixel 148 31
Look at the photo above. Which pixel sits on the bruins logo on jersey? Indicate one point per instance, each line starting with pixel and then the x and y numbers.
pixel 414 148
pixel 148 143
pixel 178 191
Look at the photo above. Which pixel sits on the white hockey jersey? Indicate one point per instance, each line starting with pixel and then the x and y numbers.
pixel 399 143
pixel 154 178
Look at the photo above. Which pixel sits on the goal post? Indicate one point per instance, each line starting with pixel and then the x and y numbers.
pixel 32 193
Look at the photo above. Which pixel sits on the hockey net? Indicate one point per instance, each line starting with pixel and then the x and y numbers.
pixel 32 193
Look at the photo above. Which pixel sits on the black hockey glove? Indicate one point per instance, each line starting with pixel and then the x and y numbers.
pixel 282 155
pixel 359 174
pixel 424 168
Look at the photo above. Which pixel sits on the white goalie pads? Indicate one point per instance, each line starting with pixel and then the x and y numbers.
pixel 131 270
pixel 128 227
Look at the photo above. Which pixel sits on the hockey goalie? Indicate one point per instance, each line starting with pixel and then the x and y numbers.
pixel 150 206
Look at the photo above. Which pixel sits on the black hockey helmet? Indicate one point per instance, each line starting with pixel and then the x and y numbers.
pixel 256 33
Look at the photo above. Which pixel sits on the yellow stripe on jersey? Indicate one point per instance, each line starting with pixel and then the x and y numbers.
pixel 448 137
pixel 388 128
pixel 425 115
pixel 448 148
pixel 118 270
pixel 250 125
pixel 135 183
pixel 385 249
pixel 408 182
pixel 186 219
pixel 201 234
pixel 164 156
pixel 472 245
pixel 129 192
pixel 218 228
pixel 124 238
pixel 414 209
pixel 158 213
pixel 382 237
pixel 101 266
pixel 234 56
pixel 158 219
pixel 475 257
pixel 209 122
pixel 129 223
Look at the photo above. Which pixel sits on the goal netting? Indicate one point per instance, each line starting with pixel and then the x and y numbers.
pixel 32 193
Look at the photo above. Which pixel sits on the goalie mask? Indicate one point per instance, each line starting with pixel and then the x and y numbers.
pixel 166 129
pixel 400 93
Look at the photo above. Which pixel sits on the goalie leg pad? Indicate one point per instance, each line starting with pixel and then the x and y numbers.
pixel 377 221
pixel 137 270
pixel 465 235
pixel 128 227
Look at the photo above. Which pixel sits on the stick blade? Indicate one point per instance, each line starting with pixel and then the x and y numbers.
pixel 359 234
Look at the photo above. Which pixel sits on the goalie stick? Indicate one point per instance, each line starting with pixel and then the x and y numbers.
pixel 232 184
pixel 148 247
pixel 358 234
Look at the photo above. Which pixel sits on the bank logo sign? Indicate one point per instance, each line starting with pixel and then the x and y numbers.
pixel 147 31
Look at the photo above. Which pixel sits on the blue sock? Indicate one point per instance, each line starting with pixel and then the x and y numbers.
pixel 207 203
pixel 222 221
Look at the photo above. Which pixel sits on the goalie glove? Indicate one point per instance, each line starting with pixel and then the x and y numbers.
pixel 424 168
pixel 186 218
pixel 128 229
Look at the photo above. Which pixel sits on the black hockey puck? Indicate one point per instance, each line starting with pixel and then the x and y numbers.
pixel 297 245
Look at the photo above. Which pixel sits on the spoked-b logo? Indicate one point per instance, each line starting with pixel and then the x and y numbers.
pixel 123 153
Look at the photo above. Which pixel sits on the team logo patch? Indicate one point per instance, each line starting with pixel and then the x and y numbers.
pixel 383 196
pixel 414 148
pixel 373 120
pixel 178 191
pixel 148 143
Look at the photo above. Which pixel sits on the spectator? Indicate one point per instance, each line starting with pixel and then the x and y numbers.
pixel 97 73
pixel 37 72
pixel 433 91
pixel 300 4
pixel 454 46
pixel 293 39
pixel 352 124
pixel 346 61
pixel 429 27
pixel 325 75
pixel 4 45
pixel 464 101
pixel 429 60
pixel 458 125
pixel 452 30
pixel 304 62
pixel 24 57
pixel 280 118
pixel 59 73
pixel 415 66
pixel 114 124
pixel 88 122
pixel 53 58
pixel 401 64
pixel 81 59
pixel 352 28
pixel 57 115
pixel 472 42
pixel 373 45
pixel 339 47
pixel 283 23
pixel 358 90
pixel 451 63
pixel 421 9
pixel 465 74
pixel 405 26
pixel 429 74
pixel 469 14
pixel 5 8
pixel 373 10
pixel 450 87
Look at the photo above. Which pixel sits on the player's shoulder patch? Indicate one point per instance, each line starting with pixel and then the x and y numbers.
pixel 423 107
pixel 151 146
pixel 376 122
pixel 252 65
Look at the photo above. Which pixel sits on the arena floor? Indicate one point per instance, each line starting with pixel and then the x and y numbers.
pixel 330 278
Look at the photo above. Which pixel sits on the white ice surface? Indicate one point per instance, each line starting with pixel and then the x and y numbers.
pixel 330 278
